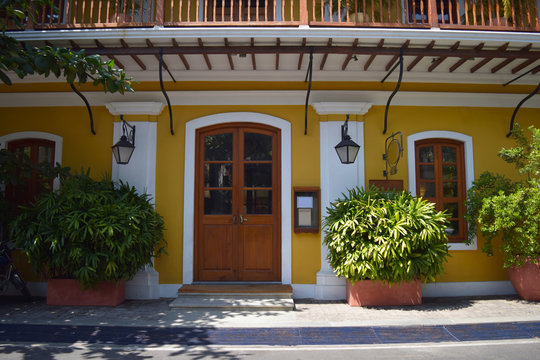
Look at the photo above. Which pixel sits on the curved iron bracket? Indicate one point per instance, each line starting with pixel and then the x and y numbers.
pixel 163 89
pixel 400 63
pixel 518 106
pixel 87 107
pixel 309 75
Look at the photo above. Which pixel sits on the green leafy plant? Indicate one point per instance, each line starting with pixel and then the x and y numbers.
pixel 511 210
pixel 90 230
pixel 390 237
pixel 15 171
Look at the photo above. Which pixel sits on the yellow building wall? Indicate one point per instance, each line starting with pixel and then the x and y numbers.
pixel 487 126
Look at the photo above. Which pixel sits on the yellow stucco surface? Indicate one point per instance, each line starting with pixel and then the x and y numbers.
pixel 487 126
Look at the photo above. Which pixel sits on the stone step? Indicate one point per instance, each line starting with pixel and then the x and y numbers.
pixel 239 297
pixel 232 302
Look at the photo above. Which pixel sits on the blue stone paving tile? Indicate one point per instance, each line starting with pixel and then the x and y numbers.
pixel 338 336
pixel 254 336
pixel 412 334
pixel 492 331
pixel 532 328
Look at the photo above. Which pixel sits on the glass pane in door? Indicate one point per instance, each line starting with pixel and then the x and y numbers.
pixel 257 147
pixel 218 147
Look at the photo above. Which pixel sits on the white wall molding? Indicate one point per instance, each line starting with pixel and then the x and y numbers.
pixel 135 108
pixel 271 97
pixel 469 166
pixel 58 144
pixel 336 178
pixel 353 108
pixel 140 172
pixel 189 186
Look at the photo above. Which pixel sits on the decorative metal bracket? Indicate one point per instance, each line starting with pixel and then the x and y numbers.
pixel 392 163
pixel 309 75
pixel 87 107
pixel 129 134
pixel 400 63
pixel 522 101
pixel 163 88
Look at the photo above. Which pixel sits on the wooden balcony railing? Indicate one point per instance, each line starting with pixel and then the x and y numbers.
pixel 450 14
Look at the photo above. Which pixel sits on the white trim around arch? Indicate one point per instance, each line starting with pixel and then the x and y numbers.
pixel 58 142
pixel 469 165
pixel 189 185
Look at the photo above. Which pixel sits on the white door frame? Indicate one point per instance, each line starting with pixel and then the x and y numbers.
pixel 189 186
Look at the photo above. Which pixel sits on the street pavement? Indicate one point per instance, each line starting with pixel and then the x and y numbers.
pixel 449 322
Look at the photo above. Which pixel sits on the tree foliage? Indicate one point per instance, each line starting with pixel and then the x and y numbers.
pixel 73 65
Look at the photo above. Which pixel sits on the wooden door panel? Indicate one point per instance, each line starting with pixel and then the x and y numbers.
pixel 257 249
pixel 216 257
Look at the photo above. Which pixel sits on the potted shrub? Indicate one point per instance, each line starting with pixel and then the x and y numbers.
pixel 91 234
pixel 385 244
pixel 511 211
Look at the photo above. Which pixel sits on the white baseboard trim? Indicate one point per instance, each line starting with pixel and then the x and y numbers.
pixel 470 288
pixel 303 291
pixel 169 290
pixel 309 291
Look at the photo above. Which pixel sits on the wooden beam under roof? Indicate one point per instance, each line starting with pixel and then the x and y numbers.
pixel 523 65
pixel 509 60
pixel 112 57
pixel 420 57
pixel 205 55
pixel 487 59
pixel 74 45
pixel 349 56
pixel 229 56
pixel 394 59
pixel 301 57
pixel 462 60
pixel 360 50
pixel 325 56
pixel 150 45
pixel 442 58
pixel 181 56
pixel 253 60
pixel 133 56
pixel 278 43
pixel 372 57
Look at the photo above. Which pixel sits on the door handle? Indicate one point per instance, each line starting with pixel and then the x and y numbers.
pixel 234 219
pixel 243 219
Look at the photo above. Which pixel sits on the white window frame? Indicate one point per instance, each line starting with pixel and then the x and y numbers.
pixel 469 166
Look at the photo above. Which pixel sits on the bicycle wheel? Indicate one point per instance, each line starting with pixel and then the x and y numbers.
pixel 20 284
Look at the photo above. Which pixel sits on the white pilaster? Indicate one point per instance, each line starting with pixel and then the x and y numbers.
pixel 336 178
pixel 140 172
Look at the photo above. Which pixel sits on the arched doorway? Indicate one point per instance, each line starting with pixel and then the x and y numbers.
pixel 237 203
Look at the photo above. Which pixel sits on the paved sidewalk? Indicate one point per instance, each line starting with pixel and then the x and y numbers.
pixel 308 313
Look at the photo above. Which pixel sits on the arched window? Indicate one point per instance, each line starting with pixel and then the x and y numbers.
pixel 440 178
pixel 38 151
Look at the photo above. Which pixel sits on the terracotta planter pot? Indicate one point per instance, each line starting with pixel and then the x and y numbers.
pixel 70 292
pixel 375 293
pixel 526 280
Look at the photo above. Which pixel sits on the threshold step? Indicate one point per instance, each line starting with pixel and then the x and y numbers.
pixel 246 290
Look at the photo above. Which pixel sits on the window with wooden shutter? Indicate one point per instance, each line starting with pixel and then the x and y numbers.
pixel 440 178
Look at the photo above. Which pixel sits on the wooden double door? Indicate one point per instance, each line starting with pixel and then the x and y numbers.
pixel 237 207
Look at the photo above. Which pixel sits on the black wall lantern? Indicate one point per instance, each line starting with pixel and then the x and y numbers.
pixel 123 149
pixel 346 149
